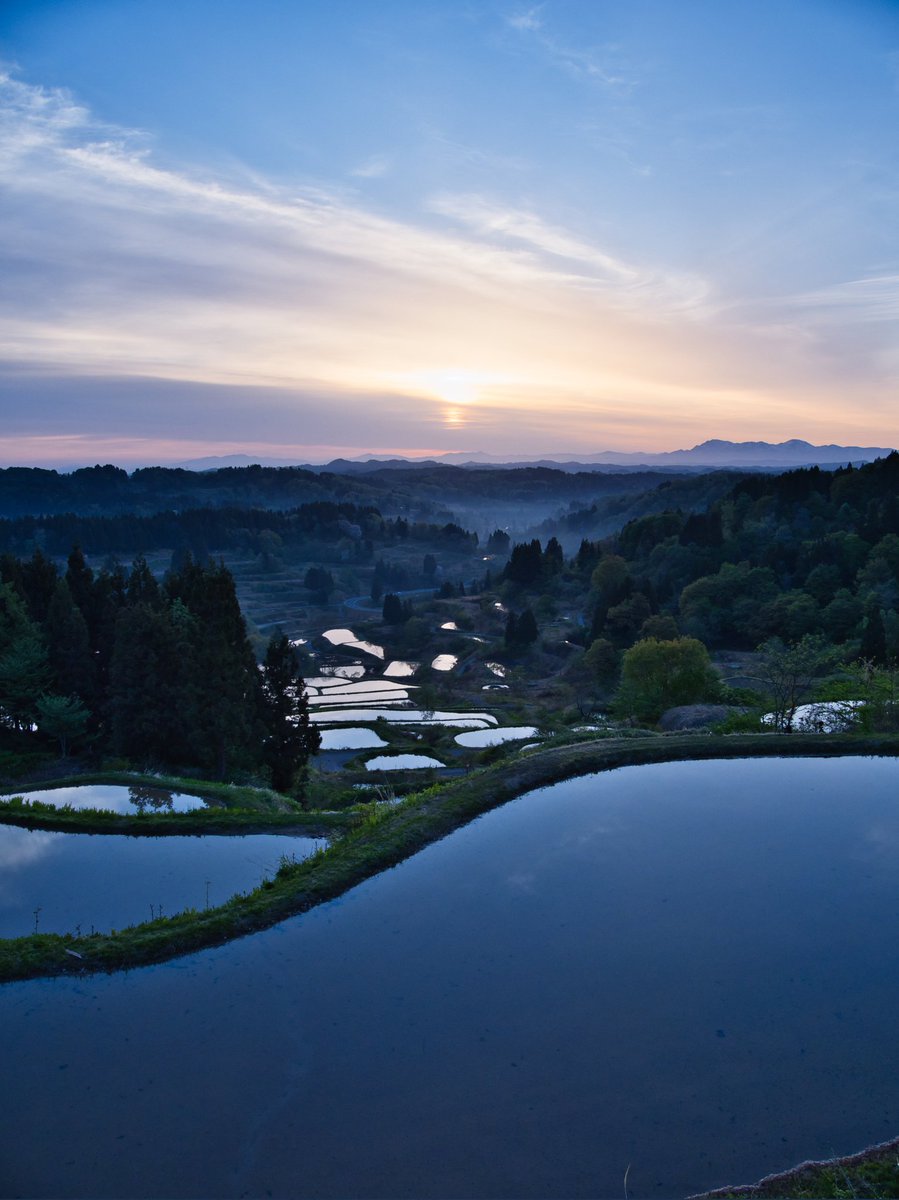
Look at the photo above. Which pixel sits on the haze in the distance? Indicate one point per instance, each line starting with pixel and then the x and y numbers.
pixel 311 230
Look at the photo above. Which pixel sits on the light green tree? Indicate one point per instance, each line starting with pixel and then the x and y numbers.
pixel 788 673
pixel 658 675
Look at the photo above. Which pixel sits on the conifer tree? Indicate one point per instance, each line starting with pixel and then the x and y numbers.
pixel 289 737
pixel 68 646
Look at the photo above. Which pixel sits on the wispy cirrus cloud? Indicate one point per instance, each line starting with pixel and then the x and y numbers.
pixel 632 284
pixel 527 21
pixel 297 307
pixel 604 65
pixel 373 168
pixel 865 301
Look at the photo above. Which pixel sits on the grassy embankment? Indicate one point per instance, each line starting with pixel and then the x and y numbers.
pixel 871 1174
pixel 383 836
pixel 230 809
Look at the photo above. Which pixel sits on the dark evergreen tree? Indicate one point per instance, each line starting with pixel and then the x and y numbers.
pixel 527 628
pixel 39 577
pixel 553 558
pixel 393 612
pixel 525 564
pixel 142 586
pixel 874 639
pixel 149 720
pixel 521 630
pixel 68 647
pixel 24 671
pixel 226 676
pixel 289 737
pixel 80 580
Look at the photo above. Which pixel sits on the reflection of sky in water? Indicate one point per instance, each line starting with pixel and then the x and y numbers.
pixel 685 967
pixel 110 880
pixel 495 737
pixel 401 762
pixel 21 847
pixel 339 637
pixel 115 798
pixel 351 739
pixel 444 662
pixel 399 668
pixel 397 716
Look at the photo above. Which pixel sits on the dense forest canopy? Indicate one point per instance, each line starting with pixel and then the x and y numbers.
pixel 158 673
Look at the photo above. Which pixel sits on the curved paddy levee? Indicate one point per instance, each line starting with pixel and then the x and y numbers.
pixel 679 973
pixel 219 808
pixel 385 837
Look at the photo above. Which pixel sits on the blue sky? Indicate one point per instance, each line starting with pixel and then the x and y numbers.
pixel 309 229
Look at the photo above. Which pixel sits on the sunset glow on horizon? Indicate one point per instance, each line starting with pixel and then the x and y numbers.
pixel 513 229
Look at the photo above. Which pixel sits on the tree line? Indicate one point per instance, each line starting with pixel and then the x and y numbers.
pixel 161 673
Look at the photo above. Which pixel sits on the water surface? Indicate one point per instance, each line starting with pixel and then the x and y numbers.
pixel 351 739
pixel 685 969
pixel 114 798
pixel 401 762
pixel 63 881
pixel 479 738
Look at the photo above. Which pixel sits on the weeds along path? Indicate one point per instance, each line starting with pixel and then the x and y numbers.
pixel 384 836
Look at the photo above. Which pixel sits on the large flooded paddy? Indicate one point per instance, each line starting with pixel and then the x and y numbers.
pixel 681 971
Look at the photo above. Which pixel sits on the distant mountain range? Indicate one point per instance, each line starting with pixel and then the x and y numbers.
pixel 708 455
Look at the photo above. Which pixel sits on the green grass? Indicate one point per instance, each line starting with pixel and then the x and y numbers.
pixel 232 809
pixel 872 1174
pixel 380 836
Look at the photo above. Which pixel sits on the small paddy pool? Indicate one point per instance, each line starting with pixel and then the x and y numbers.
pixel 114 798
pixel 444 662
pixel 401 762
pixel 480 738
pixel 351 739
pixel 61 881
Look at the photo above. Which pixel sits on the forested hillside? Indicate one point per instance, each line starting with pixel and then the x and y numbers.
pixel 483 497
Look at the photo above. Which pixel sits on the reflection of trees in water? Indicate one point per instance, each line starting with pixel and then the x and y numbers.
pixel 156 799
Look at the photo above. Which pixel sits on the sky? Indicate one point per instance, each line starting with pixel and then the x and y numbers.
pixel 304 229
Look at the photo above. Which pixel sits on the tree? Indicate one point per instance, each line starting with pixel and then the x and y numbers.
pixel 62 717
pixel 290 739
pixel 658 675
pixel 874 638
pixel 142 587
pixel 521 630
pixel 662 628
pixel 320 582
pixel 68 645
pixel 553 558
pixel 151 717
pixel 223 667
pixel 393 611
pixel 525 565
pixel 24 677
pixel 593 675
pixel 624 620
pixel 788 672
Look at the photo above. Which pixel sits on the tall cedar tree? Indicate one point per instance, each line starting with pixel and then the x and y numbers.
pixel 148 688
pixel 68 647
pixel 290 739
pixel 225 666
